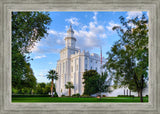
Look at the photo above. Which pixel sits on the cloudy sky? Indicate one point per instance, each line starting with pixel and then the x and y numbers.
pixel 92 30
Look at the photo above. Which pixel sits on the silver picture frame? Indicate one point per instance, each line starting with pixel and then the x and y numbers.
pixel 153 8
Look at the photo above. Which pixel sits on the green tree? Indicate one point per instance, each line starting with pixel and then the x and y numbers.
pixel 127 61
pixel 69 86
pixel 104 83
pixel 22 75
pixel 52 75
pixel 48 88
pixel 27 29
pixel 40 88
pixel 90 78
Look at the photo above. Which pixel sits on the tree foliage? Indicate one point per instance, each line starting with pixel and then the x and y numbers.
pixel 43 88
pixel 96 83
pixel 104 82
pixel 27 29
pixel 90 82
pixel 127 61
pixel 22 74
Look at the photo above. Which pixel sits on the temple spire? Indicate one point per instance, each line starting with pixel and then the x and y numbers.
pixel 70 39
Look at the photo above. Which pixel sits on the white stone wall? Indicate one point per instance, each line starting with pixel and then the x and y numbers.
pixel 70 68
pixel 72 64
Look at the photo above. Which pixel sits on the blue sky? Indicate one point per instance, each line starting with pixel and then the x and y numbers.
pixel 92 30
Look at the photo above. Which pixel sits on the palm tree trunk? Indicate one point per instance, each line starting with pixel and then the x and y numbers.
pixel 52 88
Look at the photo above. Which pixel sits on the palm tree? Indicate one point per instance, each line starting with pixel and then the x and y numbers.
pixel 69 86
pixel 53 75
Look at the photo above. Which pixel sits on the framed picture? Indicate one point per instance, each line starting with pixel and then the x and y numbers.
pixel 73 38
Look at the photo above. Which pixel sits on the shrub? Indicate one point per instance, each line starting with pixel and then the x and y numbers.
pixel 146 95
pixel 103 95
pixel 63 95
pixel 125 96
pixel 55 95
pixel 29 95
pixel 85 96
pixel 76 95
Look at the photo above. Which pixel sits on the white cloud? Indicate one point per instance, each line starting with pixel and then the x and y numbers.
pixel 46 46
pixel 42 73
pixel 39 57
pixel 49 45
pixel 84 27
pixel 50 63
pixel 111 25
pixel 35 48
pixel 133 14
pixel 103 35
pixel 73 21
pixel 91 38
pixel 88 36
pixel 95 17
pixel 52 32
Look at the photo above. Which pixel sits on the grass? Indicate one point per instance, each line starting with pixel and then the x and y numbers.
pixel 70 99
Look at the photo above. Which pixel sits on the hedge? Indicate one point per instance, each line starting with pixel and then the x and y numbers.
pixel 28 95
pixel 125 96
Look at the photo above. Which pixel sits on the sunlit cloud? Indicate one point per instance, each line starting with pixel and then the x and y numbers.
pixel 73 21
pixel 111 25
pixel 133 14
pixel 39 57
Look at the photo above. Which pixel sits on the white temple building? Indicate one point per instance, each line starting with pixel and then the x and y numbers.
pixel 73 63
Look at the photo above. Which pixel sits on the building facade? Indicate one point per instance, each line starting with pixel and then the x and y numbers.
pixel 73 63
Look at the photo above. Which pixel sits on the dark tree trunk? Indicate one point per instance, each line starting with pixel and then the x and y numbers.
pixel 141 90
pixel 69 91
pixel 52 88
pixel 138 93
pixel 141 96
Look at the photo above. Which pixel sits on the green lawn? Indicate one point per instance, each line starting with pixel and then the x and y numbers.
pixel 64 99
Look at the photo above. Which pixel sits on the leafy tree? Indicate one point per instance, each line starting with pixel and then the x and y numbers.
pixel 90 78
pixel 69 86
pixel 40 88
pixel 48 88
pixel 53 75
pixel 22 75
pixel 27 29
pixel 104 83
pixel 127 61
